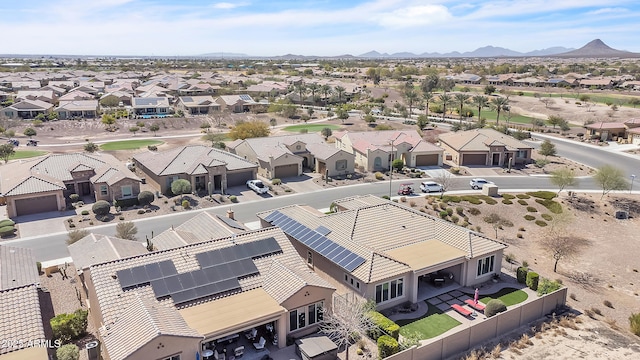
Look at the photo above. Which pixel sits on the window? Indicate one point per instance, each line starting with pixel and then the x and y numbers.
pixel 377 162
pixel 485 265
pixel 351 281
pixel 127 191
pixel 522 153
pixel 305 316
pixel 103 190
pixel 389 290
pixel 341 165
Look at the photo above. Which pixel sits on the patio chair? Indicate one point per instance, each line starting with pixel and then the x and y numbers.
pixel 260 344
pixel 479 306
pixel 251 335
pixel 218 356
pixel 461 310
pixel 239 351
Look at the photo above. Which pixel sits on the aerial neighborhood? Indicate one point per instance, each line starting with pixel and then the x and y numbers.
pixel 231 209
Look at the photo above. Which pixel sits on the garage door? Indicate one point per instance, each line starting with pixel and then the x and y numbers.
pixel 474 159
pixel 427 160
pixel 285 171
pixel 239 178
pixel 36 205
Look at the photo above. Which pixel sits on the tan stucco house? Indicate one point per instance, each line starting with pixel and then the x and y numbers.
pixel 484 147
pixel 43 184
pixel 196 105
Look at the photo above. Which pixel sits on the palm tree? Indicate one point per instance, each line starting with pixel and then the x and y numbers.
pixel 326 90
pixel 340 91
pixel 462 99
pixel 482 101
pixel 444 100
pixel 313 89
pixel 410 96
pixel 301 88
pixel 499 103
pixel 427 97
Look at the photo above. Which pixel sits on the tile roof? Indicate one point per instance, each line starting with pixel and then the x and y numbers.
pixel 198 101
pixel 606 125
pixel 17 268
pixel 276 146
pixel 187 159
pixel 138 102
pixel 76 95
pixel 97 248
pixel 78 105
pixel 35 105
pixel 480 139
pixel 21 319
pixel 361 141
pixel 202 227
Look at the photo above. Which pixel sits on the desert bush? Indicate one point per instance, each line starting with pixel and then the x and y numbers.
pixel 507 201
pixel 521 274
pixel 596 311
pixel 379 175
pixel 142 211
pixel 510 258
pixel 573 297
pixel 101 207
pixel 145 198
pixel 522 202
pixel 532 280
pixel 523 196
pixel 449 211
pixel 233 199
pixel 547 217
pixel 459 210
pixel 520 236
pixel 412 203
pixel 508 196
pixel 531 209
pixel 7 230
pixel 608 304
pixel 74 197
pixel 493 307
pixel 541 223
pixel 125 203
pixel 403 199
pixel 547 286
pixel 68 352
pixel 68 327
pixel 383 325
pixel 84 212
pixel 387 346
pixel 634 323
pixel 7 222
pixel 443 205
pixel 443 214
pixel 529 217
pixel 474 211
pixel 455 219
pixel 185 204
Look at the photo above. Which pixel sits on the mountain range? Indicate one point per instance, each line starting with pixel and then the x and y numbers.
pixel 595 48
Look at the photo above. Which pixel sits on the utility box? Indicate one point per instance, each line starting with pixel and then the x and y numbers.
pixel 490 189
pixel 93 350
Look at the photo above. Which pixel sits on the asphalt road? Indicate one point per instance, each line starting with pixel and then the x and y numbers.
pixel 54 247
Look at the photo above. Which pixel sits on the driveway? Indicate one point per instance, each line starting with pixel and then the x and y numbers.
pixel 482 171
pixel 433 171
pixel 42 224
pixel 303 183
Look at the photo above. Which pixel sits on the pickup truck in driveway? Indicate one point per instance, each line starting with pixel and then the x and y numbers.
pixel 258 186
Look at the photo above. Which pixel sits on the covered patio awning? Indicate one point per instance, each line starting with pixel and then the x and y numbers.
pixel 232 314
pixel 427 254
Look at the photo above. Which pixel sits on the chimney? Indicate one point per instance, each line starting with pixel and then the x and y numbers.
pixel 230 214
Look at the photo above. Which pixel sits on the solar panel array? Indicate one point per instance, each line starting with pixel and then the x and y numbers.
pixel 220 271
pixel 323 230
pixel 316 241
pixel 245 97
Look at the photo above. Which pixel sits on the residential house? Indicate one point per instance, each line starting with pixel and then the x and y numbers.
pixel 268 88
pixel 77 109
pixel 42 184
pixel 486 147
pixel 600 84
pixel 57 91
pixel 237 103
pixel 204 296
pixel 119 97
pixel 385 251
pixel 88 90
pixel 376 150
pixel 607 131
pixel 288 156
pixel 26 109
pixel 64 84
pixel 467 78
pixel 25 85
pixel 21 323
pixel 198 164
pixel 76 95
pixel 197 105
pixel 42 95
pixel 149 107
pixel 199 89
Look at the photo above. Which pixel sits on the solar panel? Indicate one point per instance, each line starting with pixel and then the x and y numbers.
pixel 173 284
pixel 153 271
pixel 168 268
pixel 199 277
pixel 186 280
pixel 160 288
pixel 323 230
pixel 140 274
pixel 245 97
pixel 184 296
pixel 125 278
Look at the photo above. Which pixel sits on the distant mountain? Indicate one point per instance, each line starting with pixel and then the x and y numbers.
pixel 225 55
pixel 548 52
pixel 487 51
pixel 597 48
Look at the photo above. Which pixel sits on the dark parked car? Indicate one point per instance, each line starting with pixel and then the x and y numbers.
pixel 32 142
pixel 13 142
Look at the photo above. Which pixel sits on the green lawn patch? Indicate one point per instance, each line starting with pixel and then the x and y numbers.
pixel 451 198
pixel 310 127
pixel 547 217
pixel 432 324
pixel 509 296
pixel 488 199
pixel 128 144
pixel 553 206
pixel 523 196
pixel 508 196
pixel 529 217
pixel 522 202
pixel 547 195
pixel 507 201
pixel 25 154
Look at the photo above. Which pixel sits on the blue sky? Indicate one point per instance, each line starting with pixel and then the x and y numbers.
pixel 311 27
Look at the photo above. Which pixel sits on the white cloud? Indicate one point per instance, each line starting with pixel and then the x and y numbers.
pixel 415 16
pixel 226 5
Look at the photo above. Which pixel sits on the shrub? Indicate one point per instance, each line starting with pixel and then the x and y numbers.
pixel 634 323
pixel 443 214
pixel 7 230
pixel 84 212
pixel 507 201
pixel 455 219
pixel 276 181
pixel 7 222
pixel 185 203
pixel 547 217
pixel 493 307
pixel 125 203
pixel 387 346
pixel 532 280
pixel 529 217
pixel 547 195
pixel 541 223
pixel 68 352
pixel 101 207
pixel 141 211
pixel 522 202
pixel 547 286
pixel 521 274
pixel 459 210
pixel 531 209
pixel 474 211
pixel 510 258
pixel 508 196
pixel 443 205
pixel 608 304
pixel 551 205
pixel 233 199
pixel 68 327
pixel 383 325
pixel 180 187
pixel 145 198
pixel 523 196
pixel 449 211
pixel 74 197
pixel 39 266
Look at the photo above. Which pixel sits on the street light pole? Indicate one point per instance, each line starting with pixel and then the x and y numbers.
pixel 391 167
pixel 633 177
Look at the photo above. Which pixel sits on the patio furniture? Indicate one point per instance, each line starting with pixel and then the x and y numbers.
pixel 479 306
pixel 228 339
pixel 260 344
pixel 239 351
pixel 218 356
pixel 461 310
pixel 207 354
pixel 251 334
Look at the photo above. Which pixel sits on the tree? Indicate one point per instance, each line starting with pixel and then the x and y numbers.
pixel 610 178
pixel 154 128
pixel 445 99
pixel 110 101
pixel 462 99
pixel 126 230
pixel 446 84
pixel 301 88
pixel 134 130
pixel 180 187
pixel 634 102
pixel 340 91
pixel 374 74
pixel 75 235
pixel 445 179
pixel 68 352
pixel 326 90
pixel 348 321
pixel 310 111
pixel 342 114
pixel 410 96
pixel 397 164
pixel 554 120
pixel 214 138
pixel 326 132
pixel 499 103
pixel 109 120
pixel 422 122
pixel 6 151
pixel 101 207
pixel 536 123
pixel 145 198
pixel 30 132
pixel 489 89
pixel 429 84
pixel 560 242
pixel 313 89
pixel 427 97
pixel 547 148
pixel 90 147
pixel 563 178
pixel 481 101
pixel 249 129
pixel 497 222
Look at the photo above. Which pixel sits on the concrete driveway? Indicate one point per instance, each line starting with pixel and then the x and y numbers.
pixel 43 223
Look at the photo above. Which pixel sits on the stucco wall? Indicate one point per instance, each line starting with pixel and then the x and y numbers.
pixel 342 155
pixel 166 346
pixel 11 200
pixel 470 278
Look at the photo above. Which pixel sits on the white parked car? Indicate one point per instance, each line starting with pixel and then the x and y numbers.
pixel 478 183
pixel 258 186
pixel 430 186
